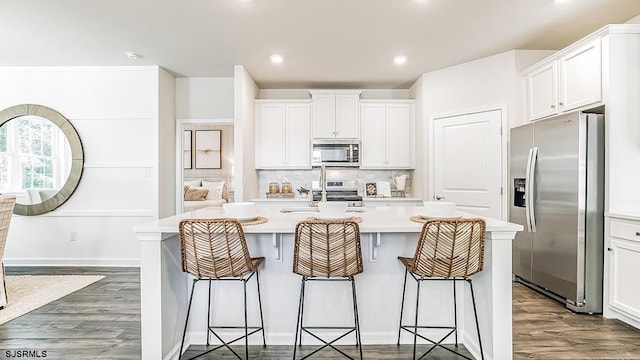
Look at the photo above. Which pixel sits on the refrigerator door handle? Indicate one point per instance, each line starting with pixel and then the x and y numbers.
pixel 532 178
pixel 527 185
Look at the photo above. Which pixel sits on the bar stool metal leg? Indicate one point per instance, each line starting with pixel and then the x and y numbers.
pixel 186 321
pixel 455 312
pixel 415 326
pixel 299 319
pixel 208 313
pixel 404 289
pixel 264 340
pixel 356 317
pixel 475 313
pixel 246 329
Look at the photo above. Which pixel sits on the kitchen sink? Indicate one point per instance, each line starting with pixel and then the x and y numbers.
pixel 311 210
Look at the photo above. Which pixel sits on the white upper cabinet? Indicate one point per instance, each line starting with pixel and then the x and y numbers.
pixel 567 82
pixel 581 77
pixel 283 138
pixel 542 88
pixel 335 114
pixel 372 147
pixel 387 135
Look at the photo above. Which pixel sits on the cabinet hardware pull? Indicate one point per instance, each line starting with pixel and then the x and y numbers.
pixel 609 249
pixel 637 233
pixel 560 104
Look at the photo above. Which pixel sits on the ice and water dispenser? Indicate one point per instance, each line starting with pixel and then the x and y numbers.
pixel 519 198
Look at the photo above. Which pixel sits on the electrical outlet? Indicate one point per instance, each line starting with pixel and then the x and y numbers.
pixel 74 236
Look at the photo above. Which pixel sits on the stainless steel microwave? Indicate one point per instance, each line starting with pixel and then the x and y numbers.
pixel 335 153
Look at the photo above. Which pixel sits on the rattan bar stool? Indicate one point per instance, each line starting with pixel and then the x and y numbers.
pixel 448 250
pixel 216 250
pixel 327 250
pixel 7 203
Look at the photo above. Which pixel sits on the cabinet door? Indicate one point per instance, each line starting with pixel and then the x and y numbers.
pixel 373 146
pixel 324 116
pixel 271 135
pixel 298 136
pixel 347 119
pixel 581 77
pixel 624 293
pixel 399 141
pixel 542 92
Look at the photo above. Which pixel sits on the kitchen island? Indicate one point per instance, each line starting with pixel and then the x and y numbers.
pixel 386 233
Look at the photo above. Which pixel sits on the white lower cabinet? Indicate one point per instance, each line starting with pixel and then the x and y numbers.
pixel 283 135
pixel 623 251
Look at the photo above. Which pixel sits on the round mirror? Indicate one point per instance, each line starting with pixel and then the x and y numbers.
pixel 41 158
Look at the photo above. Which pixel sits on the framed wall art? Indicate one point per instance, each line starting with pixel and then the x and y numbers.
pixel 208 149
pixel 370 189
pixel 186 144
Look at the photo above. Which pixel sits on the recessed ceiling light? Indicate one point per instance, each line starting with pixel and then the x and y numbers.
pixel 399 60
pixel 131 55
pixel 275 58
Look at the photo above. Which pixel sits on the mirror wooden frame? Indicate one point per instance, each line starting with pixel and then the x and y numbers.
pixel 77 155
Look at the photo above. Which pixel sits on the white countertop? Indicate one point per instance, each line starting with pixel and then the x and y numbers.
pixel 374 220
pixel 392 198
pixel 277 200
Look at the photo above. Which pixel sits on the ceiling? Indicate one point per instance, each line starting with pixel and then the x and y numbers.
pixel 325 43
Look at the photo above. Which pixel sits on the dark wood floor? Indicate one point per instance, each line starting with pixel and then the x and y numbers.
pixel 544 329
pixel 102 321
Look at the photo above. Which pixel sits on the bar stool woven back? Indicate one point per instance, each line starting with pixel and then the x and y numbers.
pixel 449 248
pixel 7 203
pixel 216 250
pixel 327 249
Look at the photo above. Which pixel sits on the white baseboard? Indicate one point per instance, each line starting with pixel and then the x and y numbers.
pixel 73 262
pixel 615 314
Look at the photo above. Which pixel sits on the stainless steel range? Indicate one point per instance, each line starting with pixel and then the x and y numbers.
pixel 338 190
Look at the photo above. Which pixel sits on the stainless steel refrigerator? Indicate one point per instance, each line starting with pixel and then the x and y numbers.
pixel 557 194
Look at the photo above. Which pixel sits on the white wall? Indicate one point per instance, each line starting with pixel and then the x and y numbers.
pixel 165 160
pixel 206 103
pixel 421 174
pixel 491 81
pixel 122 116
pixel 622 117
pixel 204 98
pixel 635 20
pixel 246 177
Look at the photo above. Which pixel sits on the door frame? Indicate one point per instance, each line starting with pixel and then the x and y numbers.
pixel 503 149
pixel 180 123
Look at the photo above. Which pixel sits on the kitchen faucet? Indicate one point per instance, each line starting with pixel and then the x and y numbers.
pixel 323 183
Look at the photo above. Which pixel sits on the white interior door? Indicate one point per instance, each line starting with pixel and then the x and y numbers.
pixel 467 161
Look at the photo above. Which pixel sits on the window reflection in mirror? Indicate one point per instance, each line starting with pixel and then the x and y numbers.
pixel 41 158
pixel 35 159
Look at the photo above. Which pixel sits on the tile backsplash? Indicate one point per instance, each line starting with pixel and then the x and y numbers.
pixel 299 178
